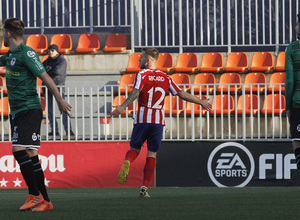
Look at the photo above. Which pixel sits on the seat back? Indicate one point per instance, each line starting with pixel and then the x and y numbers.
pixel 280 62
pixel 88 43
pixel 229 78
pixel 262 61
pixel 63 41
pixel 186 62
pixel 275 79
pixel 251 104
pixel 204 78
pixel 255 81
pixel 133 65
pixel 3 86
pixel 236 62
pixel 273 103
pixel 3 48
pixel 180 79
pixel 38 42
pixel 43 102
pixel 39 84
pixel 126 81
pixel 118 100
pixel 175 103
pixel 115 42
pixel 211 62
pixel 198 109
pixel 5 105
pixel 165 62
pixel 222 104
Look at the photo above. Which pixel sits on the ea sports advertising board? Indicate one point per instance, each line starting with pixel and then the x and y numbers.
pixel 227 164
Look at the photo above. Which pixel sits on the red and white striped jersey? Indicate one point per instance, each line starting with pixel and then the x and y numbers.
pixel 153 86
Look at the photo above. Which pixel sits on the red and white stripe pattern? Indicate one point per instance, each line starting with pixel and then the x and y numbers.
pixel 153 86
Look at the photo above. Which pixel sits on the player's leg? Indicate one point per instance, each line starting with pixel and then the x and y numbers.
pixel 295 133
pixel 23 136
pixel 46 205
pixel 138 137
pixel 153 144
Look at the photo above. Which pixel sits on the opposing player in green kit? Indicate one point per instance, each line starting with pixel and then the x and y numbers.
pixel 23 66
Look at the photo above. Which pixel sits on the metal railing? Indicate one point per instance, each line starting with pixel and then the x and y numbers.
pixel 219 25
pixel 91 119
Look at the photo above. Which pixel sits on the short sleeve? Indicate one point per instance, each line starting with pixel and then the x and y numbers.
pixel 32 61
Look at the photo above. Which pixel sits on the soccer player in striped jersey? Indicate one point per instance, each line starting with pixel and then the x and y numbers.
pixel 292 90
pixel 150 87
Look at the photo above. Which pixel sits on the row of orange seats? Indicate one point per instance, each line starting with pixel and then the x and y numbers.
pixel 211 62
pixel 221 104
pixel 87 43
pixel 254 81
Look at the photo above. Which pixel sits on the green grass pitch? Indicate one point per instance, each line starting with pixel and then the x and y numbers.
pixel 165 203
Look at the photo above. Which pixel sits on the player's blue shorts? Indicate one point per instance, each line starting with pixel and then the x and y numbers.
pixel 146 131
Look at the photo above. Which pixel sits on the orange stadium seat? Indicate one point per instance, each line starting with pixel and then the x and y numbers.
pixel 88 43
pixel 262 61
pixel 236 62
pixel 231 81
pixel 251 104
pixel 280 62
pixel 273 103
pixel 186 62
pixel 126 81
pixel 180 79
pixel 3 48
pixel 118 100
pixel 276 78
pixel 44 58
pixel 3 86
pixel 63 41
pixel 204 78
pixel 176 102
pixel 43 102
pixel 211 62
pixel 197 108
pixel 39 83
pixel 5 105
pixel 133 65
pixel 252 80
pixel 2 70
pixel 165 62
pixel 38 42
pixel 115 42
pixel 222 104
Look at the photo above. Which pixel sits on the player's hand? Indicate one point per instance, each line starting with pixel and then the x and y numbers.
pixel 118 110
pixel 64 106
pixel 205 104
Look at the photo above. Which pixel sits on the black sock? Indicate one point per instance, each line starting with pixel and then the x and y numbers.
pixel 39 176
pixel 297 156
pixel 26 168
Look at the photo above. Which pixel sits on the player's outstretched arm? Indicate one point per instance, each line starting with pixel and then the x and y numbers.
pixel 190 98
pixel 63 105
pixel 120 108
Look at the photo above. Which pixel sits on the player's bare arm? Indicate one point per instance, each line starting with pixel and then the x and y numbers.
pixel 63 105
pixel 190 98
pixel 120 108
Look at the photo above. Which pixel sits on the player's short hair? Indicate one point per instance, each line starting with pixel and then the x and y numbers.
pixel 15 26
pixel 152 52
pixel 298 16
